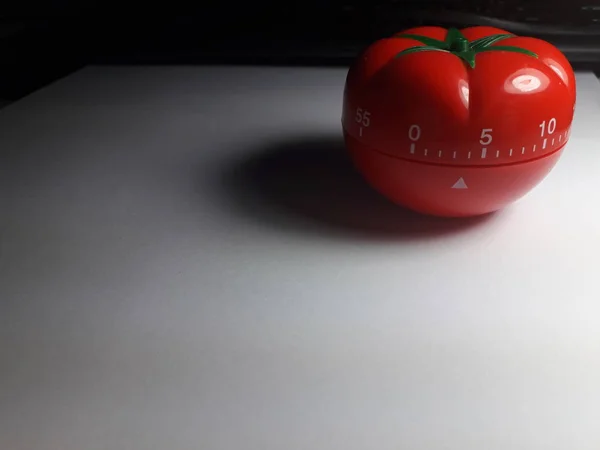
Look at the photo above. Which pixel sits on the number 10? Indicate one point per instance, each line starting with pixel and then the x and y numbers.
pixel 551 126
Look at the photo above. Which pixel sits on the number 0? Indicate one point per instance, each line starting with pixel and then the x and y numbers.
pixel 414 132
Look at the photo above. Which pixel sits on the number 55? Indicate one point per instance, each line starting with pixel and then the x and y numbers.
pixel 363 117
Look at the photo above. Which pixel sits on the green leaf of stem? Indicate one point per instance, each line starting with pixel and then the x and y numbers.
pixel 508 48
pixel 430 42
pixel 484 42
pixel 454 35
pixel 420 49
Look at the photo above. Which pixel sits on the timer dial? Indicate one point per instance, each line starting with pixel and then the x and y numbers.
pixel 457 123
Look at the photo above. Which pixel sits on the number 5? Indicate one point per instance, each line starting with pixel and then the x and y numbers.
pixel 363 117
pixel 486 137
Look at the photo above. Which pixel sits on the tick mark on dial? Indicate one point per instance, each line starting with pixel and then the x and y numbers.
pixel 454 155
pixel 412 149
pixel 497 153
pixel 483 153
pixel 425 152
pixel 560 138
pixel 469 155
pixel 510 152
pixel 522 150
pixel 534 147
pixel 440 154
pixel 545 142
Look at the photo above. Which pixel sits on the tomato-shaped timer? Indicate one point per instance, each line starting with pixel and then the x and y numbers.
pixel 457 122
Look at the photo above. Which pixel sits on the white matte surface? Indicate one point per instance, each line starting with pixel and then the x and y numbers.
pixel 187 261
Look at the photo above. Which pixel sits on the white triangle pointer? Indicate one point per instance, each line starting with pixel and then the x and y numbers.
pixel 460 184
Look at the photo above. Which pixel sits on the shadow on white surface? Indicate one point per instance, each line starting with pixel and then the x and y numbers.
pixel 308 183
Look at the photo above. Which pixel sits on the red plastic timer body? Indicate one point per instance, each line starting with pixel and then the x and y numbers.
pixel 457 123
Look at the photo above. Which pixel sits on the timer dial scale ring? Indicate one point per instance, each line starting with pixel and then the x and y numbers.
pixel 437 104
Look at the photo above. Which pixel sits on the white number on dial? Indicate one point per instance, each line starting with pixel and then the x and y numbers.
pixel 486 136
pixel 363 117
pixel 551 126
pixel 414 133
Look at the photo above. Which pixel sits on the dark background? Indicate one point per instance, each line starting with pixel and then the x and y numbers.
pixel 41 41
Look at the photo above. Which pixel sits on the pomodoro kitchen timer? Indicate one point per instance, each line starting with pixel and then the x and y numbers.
pixel 457 122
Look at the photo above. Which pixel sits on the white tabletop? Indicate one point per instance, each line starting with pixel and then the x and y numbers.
pixel 188 261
